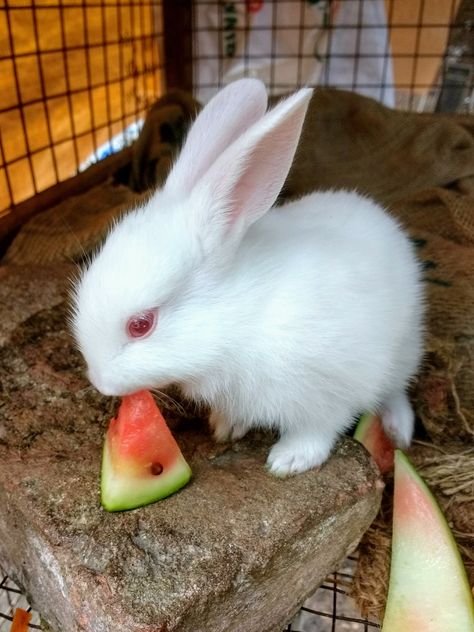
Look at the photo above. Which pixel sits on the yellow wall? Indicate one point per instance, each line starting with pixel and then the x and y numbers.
pixel 64 45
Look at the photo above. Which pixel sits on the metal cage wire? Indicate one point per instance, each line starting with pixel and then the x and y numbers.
pixel 75 75
pixel 330 609
pixel 420 41
pixel 88 84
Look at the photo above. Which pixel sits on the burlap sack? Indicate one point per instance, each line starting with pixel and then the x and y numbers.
pixel 442 224
pixel 162 135
pixel 353 142
pixel 422 168
pixel 403 160
pixel 72 229
pixel 347 141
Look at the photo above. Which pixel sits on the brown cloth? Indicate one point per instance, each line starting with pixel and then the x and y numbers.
pixel 71 230
pixel 442 220
pixel 422 168
pixel 353 142
pixel 419 166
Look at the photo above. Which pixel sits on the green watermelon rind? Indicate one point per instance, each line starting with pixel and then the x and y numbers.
pixel 121 492
pixel 395 603
pixel 362 427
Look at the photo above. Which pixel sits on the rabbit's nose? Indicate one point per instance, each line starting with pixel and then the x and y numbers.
pixel 100 384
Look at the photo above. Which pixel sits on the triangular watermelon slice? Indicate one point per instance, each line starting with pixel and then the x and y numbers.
pixel 428 590
pixel 371 434
pixel 141 461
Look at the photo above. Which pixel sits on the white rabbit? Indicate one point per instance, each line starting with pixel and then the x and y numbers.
pixel 295 319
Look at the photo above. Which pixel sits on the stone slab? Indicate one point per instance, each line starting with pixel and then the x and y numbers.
pixel 235 550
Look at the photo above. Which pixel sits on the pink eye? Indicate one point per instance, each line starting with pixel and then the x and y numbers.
pixel 142 324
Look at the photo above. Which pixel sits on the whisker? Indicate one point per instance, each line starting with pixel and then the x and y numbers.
pixel 164 398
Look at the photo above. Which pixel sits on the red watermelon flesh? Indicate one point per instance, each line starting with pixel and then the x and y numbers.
pixel 428 589
pixel 141 461
pixel 371 434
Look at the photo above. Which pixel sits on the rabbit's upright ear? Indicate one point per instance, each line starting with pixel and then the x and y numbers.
pixel 226 117
pixel 246 179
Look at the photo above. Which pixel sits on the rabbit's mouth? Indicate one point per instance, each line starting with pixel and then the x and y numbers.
pixel 107 387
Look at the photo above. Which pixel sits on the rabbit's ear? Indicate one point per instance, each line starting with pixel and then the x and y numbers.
pixel 246 179
pixel 226 117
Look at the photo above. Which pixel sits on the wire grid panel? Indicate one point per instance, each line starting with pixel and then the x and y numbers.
pixel 330 609
pixel 395 51
pixel 11 598
pixel 75 75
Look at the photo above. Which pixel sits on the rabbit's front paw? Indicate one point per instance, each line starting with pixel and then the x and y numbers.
pixel 223 430
pixel 293 454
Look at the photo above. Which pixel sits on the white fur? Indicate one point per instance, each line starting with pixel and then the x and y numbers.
pixel 295 320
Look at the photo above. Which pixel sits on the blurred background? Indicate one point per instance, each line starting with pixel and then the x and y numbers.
pixel 78 76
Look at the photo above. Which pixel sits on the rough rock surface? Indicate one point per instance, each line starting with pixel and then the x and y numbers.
pixel 237 549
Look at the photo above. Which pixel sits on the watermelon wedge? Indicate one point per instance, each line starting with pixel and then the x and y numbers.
pixel 428 589
pixel 371 434
pixel 141 461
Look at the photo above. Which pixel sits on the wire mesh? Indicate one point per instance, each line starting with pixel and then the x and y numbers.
pixel 396 51
pixel 11 598
pixel 330 609
pixel 75 75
